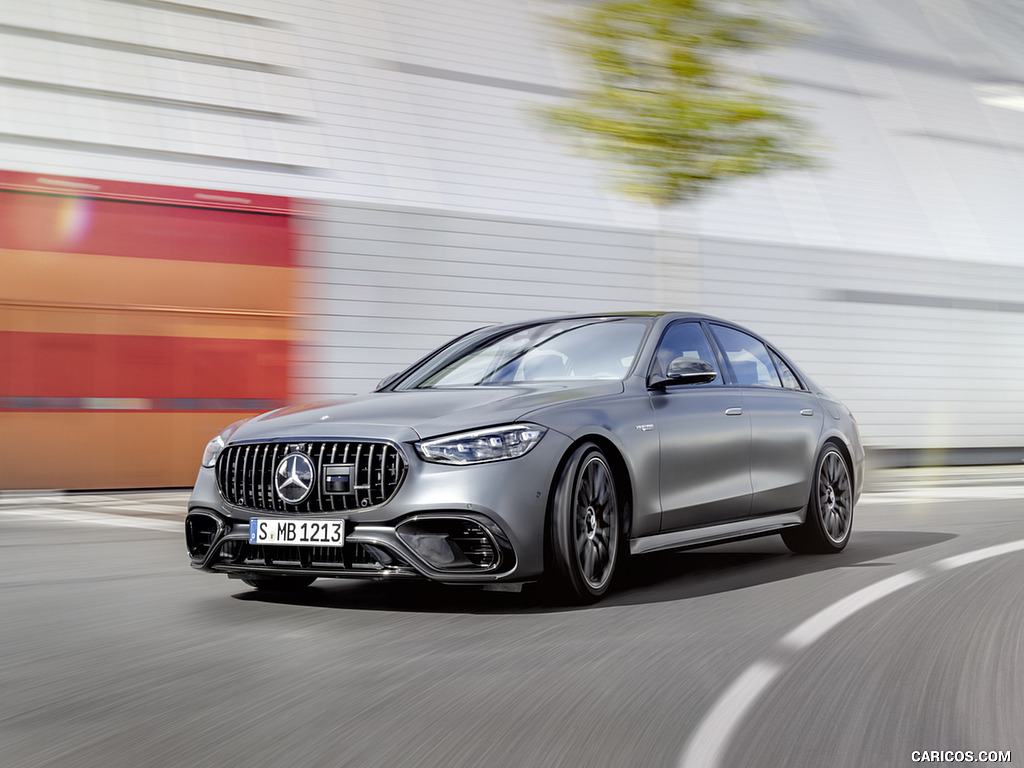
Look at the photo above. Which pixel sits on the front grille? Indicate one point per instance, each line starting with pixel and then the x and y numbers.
pixel 245 475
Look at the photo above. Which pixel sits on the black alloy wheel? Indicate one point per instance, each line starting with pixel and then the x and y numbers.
pixel 830 509
pixel 585 525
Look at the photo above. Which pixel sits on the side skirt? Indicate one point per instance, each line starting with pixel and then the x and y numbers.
pixel 698 537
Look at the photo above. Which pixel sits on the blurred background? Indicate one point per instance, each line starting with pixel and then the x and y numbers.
pixel 210 207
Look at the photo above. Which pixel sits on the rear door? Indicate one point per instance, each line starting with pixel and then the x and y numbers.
pixel 785 422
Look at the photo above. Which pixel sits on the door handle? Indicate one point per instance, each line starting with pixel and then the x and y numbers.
pixel 807 412
pixel 733 411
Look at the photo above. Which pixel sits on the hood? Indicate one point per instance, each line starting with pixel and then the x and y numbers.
pixel 408 415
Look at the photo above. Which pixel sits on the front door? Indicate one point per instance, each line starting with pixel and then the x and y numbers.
pixel 704 434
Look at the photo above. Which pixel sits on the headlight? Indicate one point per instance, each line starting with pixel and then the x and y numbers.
pixel 215 446
pixel 494 444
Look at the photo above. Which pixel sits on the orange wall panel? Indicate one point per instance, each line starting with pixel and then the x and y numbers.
pixel 72 451
pixel 86 279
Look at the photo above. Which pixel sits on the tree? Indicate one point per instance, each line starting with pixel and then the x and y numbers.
pixel 668 101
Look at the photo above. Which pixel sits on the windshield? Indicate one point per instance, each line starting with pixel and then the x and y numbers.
pixel 562 350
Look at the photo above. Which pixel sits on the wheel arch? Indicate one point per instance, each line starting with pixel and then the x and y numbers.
pixel 844 451
pixel 561 556
pixel 623 479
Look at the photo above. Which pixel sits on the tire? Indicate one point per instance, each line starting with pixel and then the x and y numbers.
pixel 279 583
pixel 585 526
pixel 829 510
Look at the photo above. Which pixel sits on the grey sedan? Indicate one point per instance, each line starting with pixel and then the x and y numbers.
pixel 535 451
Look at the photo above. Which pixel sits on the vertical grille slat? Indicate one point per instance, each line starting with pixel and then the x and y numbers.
pixel 263 476
pixel 356 482
pixel 318 481
pixel 348 501
pixel 369 476
pixel 222 473
pixel 246 475
pixel 234 474
pixel 382 486
pixel 275 502
pixel 334 454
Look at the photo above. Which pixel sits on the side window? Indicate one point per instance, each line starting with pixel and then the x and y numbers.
pixel 789 379
pixel 748 358
pixel 685 339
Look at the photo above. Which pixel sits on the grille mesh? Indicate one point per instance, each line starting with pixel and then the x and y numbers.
pixel 245 475
pixel 351 556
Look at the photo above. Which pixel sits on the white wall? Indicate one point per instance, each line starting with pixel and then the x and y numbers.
pixel 892 273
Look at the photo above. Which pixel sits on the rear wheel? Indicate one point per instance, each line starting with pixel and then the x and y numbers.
pixel 829 510
pixel 279 583
pixel 585 525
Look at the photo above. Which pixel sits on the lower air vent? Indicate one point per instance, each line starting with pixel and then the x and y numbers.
pixel 451 544
pixel 200 531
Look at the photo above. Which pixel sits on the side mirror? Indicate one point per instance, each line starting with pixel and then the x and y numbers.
pixel 684 370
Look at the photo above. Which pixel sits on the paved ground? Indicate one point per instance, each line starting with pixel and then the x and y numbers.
pixel 115 654
pixel 171 503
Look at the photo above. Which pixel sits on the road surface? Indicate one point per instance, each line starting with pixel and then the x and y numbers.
pixel 115 654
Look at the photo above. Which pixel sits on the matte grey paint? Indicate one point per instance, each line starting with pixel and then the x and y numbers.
pixel 698 476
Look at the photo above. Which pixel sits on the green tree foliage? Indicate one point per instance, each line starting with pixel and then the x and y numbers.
pixel 669 101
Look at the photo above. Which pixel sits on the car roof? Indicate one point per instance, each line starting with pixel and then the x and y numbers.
pixel 674 314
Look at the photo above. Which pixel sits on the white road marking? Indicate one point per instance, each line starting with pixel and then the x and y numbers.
pixel 815 627
pixel 957 561
pixel 940 493
pixel 709 741
pixel 21 499
pixel 713 734
pixel 92 518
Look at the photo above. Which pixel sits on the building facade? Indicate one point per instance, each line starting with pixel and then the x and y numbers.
pixel 432 200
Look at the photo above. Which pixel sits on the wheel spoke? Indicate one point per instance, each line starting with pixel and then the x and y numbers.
pixel 588 562
pixel 835 470
pixel 592 522
pixel 834 497
pixel 582 496
pixel 601 550
pixel 590 482
pixel 602 491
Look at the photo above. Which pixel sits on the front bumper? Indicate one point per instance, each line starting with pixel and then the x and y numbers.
pixel 479 523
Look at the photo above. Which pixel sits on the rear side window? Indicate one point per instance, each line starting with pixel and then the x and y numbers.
pixel 748 357
pixel 789 379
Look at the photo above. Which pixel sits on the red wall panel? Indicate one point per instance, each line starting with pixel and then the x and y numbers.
pixel 66 365
pixel 62 224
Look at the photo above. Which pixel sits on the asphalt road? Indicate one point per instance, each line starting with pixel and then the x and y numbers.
pixel 114 653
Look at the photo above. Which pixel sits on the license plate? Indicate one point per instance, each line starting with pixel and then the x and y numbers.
pixel 301 533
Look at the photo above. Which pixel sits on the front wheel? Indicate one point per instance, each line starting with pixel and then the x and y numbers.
pixel 829 510
pixel 585 525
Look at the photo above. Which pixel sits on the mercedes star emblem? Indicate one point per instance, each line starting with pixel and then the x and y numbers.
pixel 294 478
